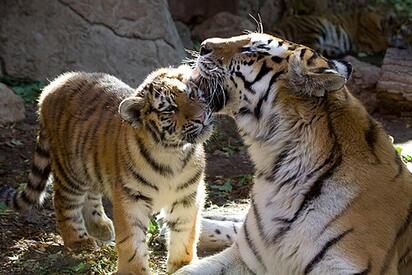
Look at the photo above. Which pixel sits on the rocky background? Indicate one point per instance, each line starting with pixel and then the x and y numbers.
pixel 40 39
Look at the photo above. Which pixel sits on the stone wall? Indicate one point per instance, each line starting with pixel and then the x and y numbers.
pixel 40 39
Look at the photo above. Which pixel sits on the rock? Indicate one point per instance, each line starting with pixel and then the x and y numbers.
pixel 185 34
pixel 125 38
pixel 223 25
pixel 247 7
pixel 271 12
pixel 363 81
pixel 194 11
pixel 11 106
pixel 395 85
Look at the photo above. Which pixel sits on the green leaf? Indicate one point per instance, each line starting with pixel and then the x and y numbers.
pixel 153 227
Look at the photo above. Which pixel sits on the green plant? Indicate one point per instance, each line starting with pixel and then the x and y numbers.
pixel 405 157
pixel 27 88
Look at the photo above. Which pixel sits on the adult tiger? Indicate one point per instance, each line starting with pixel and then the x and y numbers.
pixel 341 34
pixel 142 148
pixel 331 195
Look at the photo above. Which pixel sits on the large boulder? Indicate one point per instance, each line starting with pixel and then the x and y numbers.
pixel 223 24
pixel 395 84
pixel 185 34
pixel 194 11
pixel 11 106
pixel 43 38
pixel 363 82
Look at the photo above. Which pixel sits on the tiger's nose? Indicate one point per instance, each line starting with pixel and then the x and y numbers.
pixel 205 49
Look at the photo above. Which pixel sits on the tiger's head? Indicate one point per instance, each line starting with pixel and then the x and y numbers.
pixel 168 109
pixel 243 72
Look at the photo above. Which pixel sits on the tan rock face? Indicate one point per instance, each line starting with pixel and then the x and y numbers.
pixel 43 38
pixel 395 84
pixel 11 106
pixel 223 25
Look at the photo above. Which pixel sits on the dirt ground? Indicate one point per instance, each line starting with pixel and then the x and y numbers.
pixel 30 244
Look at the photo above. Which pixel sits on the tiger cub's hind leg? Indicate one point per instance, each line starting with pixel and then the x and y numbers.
pixel 68 204
pixel 97 223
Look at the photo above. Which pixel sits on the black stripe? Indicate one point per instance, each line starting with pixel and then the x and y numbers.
pixel 258 219
pixel 278 162
pixel 195 179
pixel 312 58
pixel 313 193
pixel 244 111
pixel 43 153
pixel 153 131
pixel 140 224
pixel 366 271
pixel 311 265
pixel 135 195
pixel 124 239
pixel 389 255
pixel 65 178
pixel 246 83
pixel 188 156
pixel 42 175
pixel 96 166
pixel 141 179
pixel 133 256
pixel 252 246
pixel 264 70
pixel 39 172
pixel 186 201
pixel 371 137
pixel 173 225
pixel 277 59
pixel 402 259
pixel 302 53
pixel 68 189
pixel 164 170
pixel 399 163
pixel 234 228
pixel 27 200
pixel 257 110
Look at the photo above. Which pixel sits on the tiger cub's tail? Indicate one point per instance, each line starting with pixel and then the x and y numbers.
pixel 35 190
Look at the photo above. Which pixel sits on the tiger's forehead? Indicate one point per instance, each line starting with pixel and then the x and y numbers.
pixel 272 45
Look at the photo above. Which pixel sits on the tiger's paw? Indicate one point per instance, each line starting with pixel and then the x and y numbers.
pixel 173 266
pixel 102 229
pixel 85 243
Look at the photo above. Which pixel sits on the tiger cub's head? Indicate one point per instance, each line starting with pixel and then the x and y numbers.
pixel 244 72
pixel 168 109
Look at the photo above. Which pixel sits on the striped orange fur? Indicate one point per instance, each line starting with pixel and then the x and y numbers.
pixel 142 148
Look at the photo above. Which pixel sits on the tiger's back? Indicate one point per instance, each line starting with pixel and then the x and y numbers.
pixel 80 117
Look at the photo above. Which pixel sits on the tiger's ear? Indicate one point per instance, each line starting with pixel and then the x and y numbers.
pixel 130 110
pixel 317 81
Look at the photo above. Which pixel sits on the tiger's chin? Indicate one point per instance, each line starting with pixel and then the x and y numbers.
pixel 202 137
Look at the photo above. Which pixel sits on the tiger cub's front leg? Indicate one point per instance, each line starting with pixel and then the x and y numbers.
pixel 131 212
pixel 183 221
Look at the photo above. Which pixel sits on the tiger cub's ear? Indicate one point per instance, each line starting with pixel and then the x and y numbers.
pixel 317 79
pixel 130 110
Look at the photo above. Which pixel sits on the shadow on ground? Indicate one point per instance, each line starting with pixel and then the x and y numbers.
pixel 30 244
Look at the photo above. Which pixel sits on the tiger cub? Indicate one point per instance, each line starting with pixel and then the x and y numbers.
pixel 141 148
